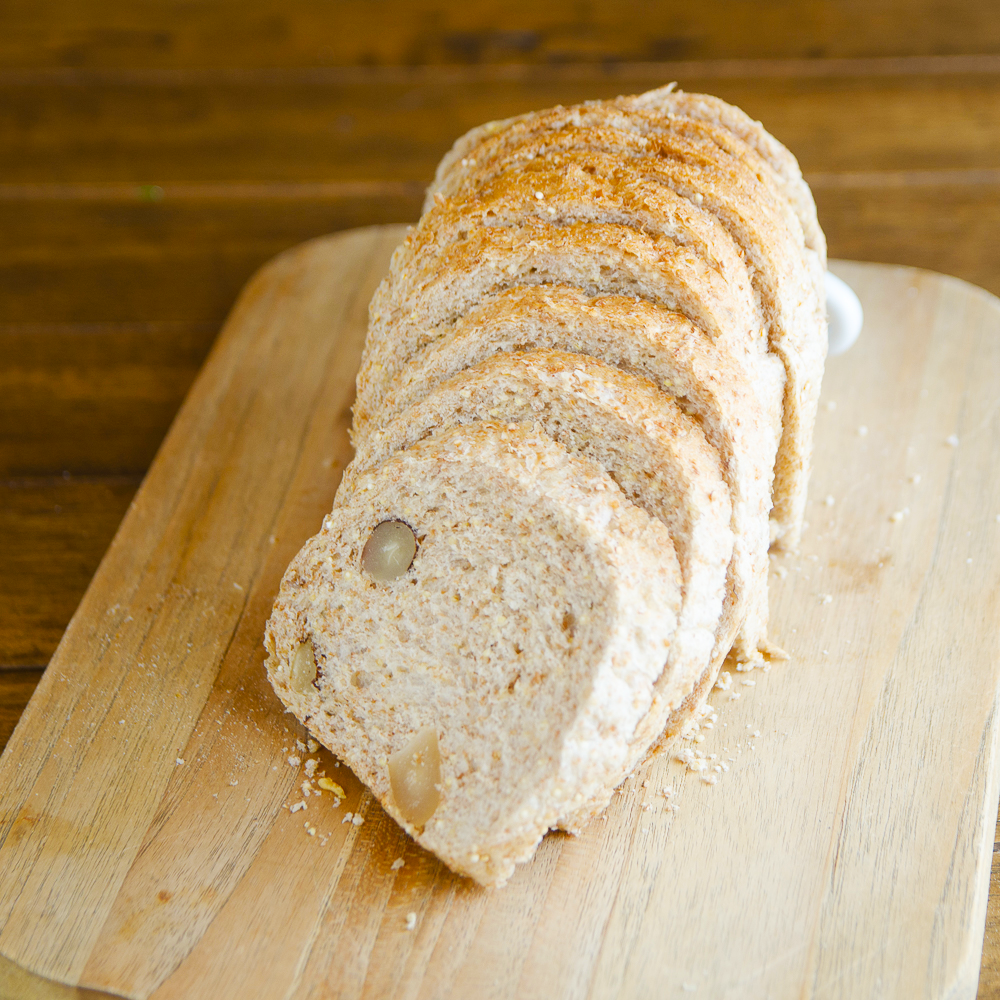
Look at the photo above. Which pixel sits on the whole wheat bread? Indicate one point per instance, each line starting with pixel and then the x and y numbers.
pixel 591 371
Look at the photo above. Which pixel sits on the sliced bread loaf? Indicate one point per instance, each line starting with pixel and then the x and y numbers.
pixel 593 366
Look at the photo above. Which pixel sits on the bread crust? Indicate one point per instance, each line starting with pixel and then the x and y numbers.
pixel 706 108
pixel 743 192
pixel 643 112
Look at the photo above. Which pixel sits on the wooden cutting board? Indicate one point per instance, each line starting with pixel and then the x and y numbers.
pixel 147 844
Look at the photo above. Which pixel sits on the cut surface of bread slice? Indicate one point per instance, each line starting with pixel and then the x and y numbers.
pixel 708 382
pixel 497 686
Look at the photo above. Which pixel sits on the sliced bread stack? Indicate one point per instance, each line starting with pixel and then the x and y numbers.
pixel 584 411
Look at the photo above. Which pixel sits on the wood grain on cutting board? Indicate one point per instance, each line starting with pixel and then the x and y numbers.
pixel 146 847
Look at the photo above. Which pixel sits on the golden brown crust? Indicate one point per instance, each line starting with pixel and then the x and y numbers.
pixel 735 122
pixel 696 160
pixel 734 131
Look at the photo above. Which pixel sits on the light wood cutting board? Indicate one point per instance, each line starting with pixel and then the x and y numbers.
pixel 146 844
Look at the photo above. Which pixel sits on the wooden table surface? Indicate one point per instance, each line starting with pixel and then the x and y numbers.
pixel 152 156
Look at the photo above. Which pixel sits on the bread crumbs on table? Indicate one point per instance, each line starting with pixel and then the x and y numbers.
pixel 329 785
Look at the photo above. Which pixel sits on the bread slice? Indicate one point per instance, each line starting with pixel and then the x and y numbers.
pixel 502 685
pixel 685 156
pixel 708 382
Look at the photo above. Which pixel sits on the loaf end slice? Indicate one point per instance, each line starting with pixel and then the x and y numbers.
pixel 498 685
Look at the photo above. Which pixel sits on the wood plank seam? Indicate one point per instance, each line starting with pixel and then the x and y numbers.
pixel 114 191
pixel 123 326
pixel 874 179
pixel 457 74
pixel 33 482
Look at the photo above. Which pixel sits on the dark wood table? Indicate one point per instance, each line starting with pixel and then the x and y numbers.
pixel 153 156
